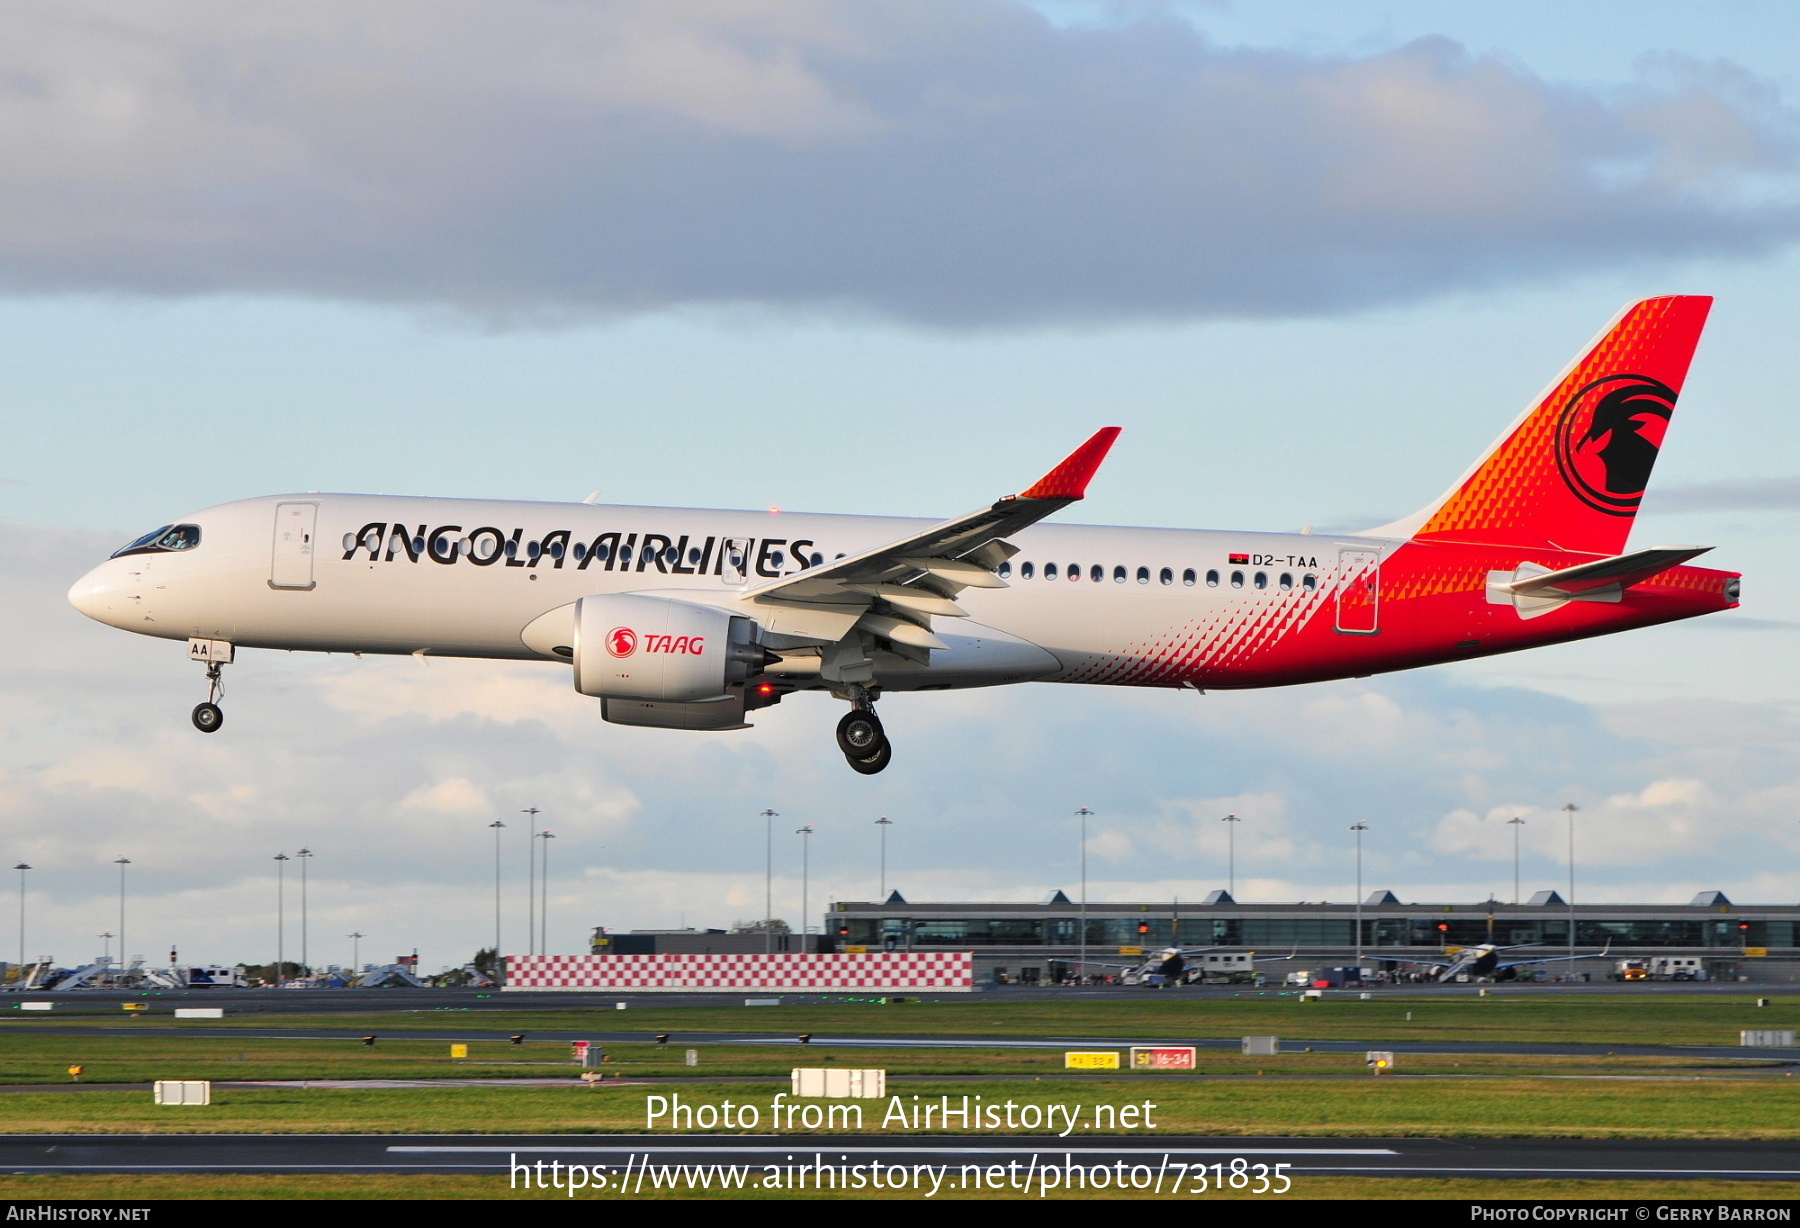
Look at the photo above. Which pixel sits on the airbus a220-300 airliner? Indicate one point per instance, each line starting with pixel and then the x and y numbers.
pixel 683 618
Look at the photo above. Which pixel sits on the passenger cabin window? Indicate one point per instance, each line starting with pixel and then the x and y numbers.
pixel 1118 575
pixel 1187 578
pixel 1168 577
pixel 1074 571
pixel 1096 573
pixel 1026 569
pixel 1004 570
pixel 1212 579
pixel 1237 579
pixel 1143 575
pixel 1287 581
pixel 1262 579
pixel 1049 571
pixel 1309 582
pixel 161 541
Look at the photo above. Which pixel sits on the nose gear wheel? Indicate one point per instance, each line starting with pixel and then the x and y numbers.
pixel 208 716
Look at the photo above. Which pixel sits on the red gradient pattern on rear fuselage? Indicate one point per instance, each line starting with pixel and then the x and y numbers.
pixel 1433 608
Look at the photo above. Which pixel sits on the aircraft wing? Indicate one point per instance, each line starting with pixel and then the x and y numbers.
pixel 1555 959
pixel 1461 958
pixel 1160 956
pixel 1509 963
pixel 916 576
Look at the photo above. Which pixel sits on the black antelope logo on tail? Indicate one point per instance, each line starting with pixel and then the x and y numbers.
pixel 1608 437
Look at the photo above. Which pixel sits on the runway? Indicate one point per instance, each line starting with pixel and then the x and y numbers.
pixel 381 1001
pixel 1585 1159
pixel 1289 1045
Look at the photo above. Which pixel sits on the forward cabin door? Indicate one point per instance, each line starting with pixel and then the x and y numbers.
pixel 1359 592
pixel 292 565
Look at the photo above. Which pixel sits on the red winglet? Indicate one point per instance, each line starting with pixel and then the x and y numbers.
pixel 1070 479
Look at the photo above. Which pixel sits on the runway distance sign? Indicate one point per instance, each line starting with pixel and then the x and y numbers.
pixel 1162 1057
pixel 1090 1061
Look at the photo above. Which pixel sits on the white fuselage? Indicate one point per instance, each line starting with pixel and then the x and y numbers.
pixel 384 574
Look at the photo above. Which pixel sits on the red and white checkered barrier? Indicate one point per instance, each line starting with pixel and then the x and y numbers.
pixel 943 971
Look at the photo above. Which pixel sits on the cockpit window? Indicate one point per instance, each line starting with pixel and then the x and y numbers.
pixel 161 541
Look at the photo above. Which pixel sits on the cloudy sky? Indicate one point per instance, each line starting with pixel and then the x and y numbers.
pixel 865 257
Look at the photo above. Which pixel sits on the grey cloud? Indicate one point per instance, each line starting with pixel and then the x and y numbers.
pixel 949 161
pixel 1731 495
pixel 1727 622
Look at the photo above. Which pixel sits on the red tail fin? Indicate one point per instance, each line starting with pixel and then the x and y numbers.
pixel 1571 472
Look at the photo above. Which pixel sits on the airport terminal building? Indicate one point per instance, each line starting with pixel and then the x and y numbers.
pixel 1041 943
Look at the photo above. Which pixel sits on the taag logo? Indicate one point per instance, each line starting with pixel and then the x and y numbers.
pixel 621 641
pixel 1608 437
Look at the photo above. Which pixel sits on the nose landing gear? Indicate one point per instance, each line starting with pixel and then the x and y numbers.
pixel 217 654
pixel 862 739
pixel 209 716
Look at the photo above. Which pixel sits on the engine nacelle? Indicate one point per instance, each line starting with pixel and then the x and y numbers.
pixel 654 648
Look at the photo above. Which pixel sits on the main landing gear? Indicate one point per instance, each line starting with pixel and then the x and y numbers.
pixel 209 716
pixel 861 738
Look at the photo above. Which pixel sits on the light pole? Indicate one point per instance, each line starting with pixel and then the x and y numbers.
pixel 768 818
pixel 122 862
pixel 1570 810
pixel 883 823
pixel 1359 829
pixel 1081 962
pixel 1516 822
pixel 532 813
pixel 498 827
pixel 281 860
pixel 21 868
pixel 1231 854
pixel 805 834
pixel 544 838
pixel 305 855
pixel 355 952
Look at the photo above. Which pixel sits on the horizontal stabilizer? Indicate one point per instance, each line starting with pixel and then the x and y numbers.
pixel 1621 571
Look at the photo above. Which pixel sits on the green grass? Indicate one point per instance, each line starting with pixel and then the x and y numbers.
pixel 1297 1094
pixel 121 1057
pixel 1503 1107
pixel 1647 1019
pixel 464 1188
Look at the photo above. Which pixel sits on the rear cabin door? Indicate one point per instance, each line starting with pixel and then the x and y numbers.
pixel 292 565
pixel 1359 592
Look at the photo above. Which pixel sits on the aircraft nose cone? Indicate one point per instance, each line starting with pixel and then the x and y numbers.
pixel 97 594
